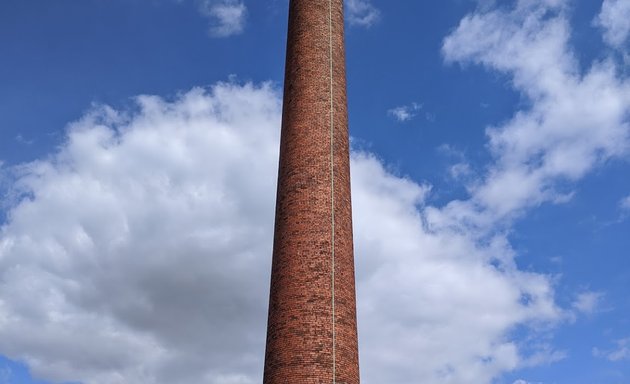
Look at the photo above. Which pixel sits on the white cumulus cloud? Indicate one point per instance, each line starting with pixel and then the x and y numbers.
pixel 434 306
pixel 138 252
pixel 227 17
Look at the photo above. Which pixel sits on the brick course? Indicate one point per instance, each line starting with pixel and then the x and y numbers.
pixel 300 325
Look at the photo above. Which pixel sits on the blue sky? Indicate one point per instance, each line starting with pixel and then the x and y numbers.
pixel 491 197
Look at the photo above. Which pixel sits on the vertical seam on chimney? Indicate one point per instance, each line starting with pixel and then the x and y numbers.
pixel 332 187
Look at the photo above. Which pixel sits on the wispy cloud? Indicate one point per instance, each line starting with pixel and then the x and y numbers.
pixel 405 112
pixel 619 353
pixel 20 139
pixel 521 381
pixel 362 13
pixel 587 302
pixel 460 168
pixel 227 17
pixel 576 120
pixel 5 375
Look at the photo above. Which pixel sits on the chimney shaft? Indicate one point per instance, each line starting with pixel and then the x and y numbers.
pixel 312 332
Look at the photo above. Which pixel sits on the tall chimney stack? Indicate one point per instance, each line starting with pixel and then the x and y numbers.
pixel 312 329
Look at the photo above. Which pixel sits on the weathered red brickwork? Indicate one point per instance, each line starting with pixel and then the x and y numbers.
pixel 301 321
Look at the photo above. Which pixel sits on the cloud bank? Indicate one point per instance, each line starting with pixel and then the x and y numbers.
pixel 140 251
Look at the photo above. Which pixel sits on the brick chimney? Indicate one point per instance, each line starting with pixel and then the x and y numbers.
pixel 311 330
